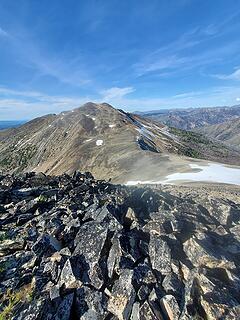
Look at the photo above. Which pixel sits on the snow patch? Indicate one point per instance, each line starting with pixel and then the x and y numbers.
pixel 99 142
pixel 112 125
pixel 212 172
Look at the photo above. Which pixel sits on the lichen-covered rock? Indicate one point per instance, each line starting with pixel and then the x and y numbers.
pixel 135 315
pixel 9 246
pixel 170 307
pixel 73 247
pixel 89 243
pixel 160 254
pixel 71 274
pixel 64 309
pixel 46 245
pixel 90 303
pixel 146 312
pixel 122 296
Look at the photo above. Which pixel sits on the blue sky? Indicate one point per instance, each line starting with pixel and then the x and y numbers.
pixel 134 54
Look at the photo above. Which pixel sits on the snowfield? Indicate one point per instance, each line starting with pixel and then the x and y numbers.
pixel 212 172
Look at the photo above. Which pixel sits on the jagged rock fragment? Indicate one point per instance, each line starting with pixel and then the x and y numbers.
pixel 123 295
pixel 89 243
pixel 170 307
pixel 160 254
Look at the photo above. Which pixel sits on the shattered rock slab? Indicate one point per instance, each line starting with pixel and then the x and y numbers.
pixel 72 247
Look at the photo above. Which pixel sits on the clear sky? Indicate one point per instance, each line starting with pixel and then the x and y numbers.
pixel 134 54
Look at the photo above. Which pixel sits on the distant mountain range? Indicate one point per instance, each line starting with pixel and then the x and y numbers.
pixel 10 124
pixel 227 132
pixel 107 142
pixel 191 118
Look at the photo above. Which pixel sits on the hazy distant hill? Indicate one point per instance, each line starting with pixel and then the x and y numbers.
pixel 228 132
pixel 105 141
pixel 191 118
pixel 10 124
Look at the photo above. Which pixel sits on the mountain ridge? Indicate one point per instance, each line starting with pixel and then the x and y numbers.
pixel 105 141
pixel 227 132
pixel 191 118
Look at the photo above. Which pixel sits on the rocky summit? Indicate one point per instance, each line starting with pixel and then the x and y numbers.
pixel 72 247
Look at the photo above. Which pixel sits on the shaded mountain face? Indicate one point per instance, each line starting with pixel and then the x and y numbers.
pixel 227 132
pixel 189 119
pixel 103 140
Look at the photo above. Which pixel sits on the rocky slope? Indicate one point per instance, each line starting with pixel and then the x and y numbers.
pixel 105 141
pixel 227 132
pixel 191 118
pixel 76 248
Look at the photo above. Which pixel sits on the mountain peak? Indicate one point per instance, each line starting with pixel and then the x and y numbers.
pixel 108 142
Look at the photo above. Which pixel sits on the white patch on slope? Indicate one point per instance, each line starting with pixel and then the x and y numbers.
pixel 112 125
pixel 212 172
pixel 99 142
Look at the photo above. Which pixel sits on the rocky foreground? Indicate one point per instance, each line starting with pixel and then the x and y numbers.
pixel 72 247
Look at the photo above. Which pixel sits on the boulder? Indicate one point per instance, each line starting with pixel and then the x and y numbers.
pixel 170 307
pixel 64 309
pixel 160 255
pixel 122 296
pixel 90 241
pixel 46 245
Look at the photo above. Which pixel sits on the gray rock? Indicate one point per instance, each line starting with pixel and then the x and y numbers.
pixel 70 275
pixel 64 309
pixel 9 246
pixel 89 242
pixel 54 293
pixel 146 312
pixel 114 256
pixel 172 284
pixel 160 254
pixel 135 315
pixel 90 304
pixel 123 295
pixel 46 245
pixel 170 307
pixel 70 241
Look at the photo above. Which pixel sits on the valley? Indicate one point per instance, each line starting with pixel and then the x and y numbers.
pixel 227 132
